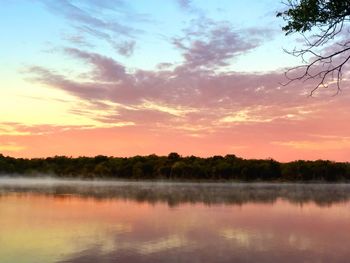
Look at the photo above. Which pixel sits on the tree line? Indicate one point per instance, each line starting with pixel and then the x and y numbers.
pixel 176 167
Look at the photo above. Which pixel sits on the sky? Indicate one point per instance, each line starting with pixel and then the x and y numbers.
pixel 124 78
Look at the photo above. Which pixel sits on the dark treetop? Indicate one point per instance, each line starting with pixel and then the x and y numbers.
pixel 176 167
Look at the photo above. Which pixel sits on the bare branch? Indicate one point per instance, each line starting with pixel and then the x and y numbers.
pixel 328 20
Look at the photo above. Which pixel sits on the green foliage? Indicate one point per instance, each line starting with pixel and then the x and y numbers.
pixel 303 15
pixel 177 167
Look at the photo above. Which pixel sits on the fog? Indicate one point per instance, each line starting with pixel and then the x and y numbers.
pixel 175 193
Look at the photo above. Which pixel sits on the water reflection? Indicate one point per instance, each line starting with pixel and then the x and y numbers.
pixel 178 193
pixel 51 221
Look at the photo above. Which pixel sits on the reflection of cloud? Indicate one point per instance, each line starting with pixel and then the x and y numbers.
pixel 118 230
pixel 260 241
pixel 163 244
pixel 56 231
pixel 240 236
pixel 299 242
pixel 109 244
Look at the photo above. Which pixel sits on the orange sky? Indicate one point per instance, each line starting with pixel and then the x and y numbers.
pixel 81 82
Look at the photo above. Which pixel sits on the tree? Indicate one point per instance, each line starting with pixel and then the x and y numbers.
pixel 321 23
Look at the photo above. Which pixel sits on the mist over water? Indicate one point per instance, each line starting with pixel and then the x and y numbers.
pixel 51 220
pixel 175 193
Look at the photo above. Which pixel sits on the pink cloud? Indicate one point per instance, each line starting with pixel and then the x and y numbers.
pixel 209 44
pixel 203 111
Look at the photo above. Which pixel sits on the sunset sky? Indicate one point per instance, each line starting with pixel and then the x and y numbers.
pixel 125 78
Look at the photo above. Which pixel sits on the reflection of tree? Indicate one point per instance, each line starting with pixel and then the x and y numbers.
pixel 180 193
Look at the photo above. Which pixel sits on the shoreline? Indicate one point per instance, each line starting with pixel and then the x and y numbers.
pixel 102 180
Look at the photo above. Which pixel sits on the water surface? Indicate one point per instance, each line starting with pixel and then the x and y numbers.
pixel 72 221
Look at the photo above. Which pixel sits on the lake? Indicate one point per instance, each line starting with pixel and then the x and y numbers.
pixel 48 220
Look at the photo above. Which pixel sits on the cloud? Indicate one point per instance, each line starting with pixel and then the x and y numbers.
pixel 126 48
pixel 77 40
pixel 107 4
pixel 209 44
pixel 123 47
pixel 11 147
pixel 200 101
pixel 246 140
pixel 184 4
pixel 317 145
pixel 14 129
pixel 173 98
pixel 189 7
pixel 77 14
pixel 88 18
pixel 84 90
pixel 106 69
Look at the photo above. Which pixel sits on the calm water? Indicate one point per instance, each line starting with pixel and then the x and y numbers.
pixel 71 221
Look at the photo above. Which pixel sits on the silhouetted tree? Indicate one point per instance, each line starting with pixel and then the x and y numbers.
pixel 326 21
pixel 229 167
